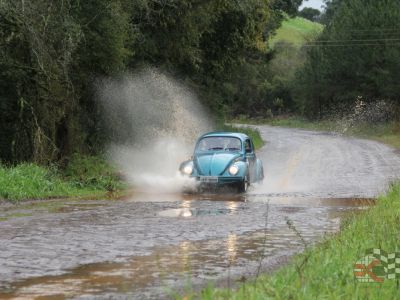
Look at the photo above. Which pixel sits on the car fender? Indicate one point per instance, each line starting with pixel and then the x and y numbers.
pixel 259 170
pixel 243 168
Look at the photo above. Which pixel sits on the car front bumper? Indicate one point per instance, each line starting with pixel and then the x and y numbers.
pixel 218 180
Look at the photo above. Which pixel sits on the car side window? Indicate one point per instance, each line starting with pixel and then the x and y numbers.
pixel 248 147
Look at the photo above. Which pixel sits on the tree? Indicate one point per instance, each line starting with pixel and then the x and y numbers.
pixel 331 7
pixel 355 57
pixel 50 52
pixel 53 51
pixel 310 13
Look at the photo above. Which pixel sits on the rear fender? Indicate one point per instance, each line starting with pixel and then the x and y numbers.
pixel 259 170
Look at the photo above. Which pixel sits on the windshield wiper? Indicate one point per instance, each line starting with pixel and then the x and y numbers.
pixel 216 148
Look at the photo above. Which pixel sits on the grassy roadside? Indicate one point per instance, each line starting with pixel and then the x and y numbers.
pixel 388 133
pixel 325 271
pixel 83 176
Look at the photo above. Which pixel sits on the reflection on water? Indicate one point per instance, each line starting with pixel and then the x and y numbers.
pixel 173 266
pixel 165 267
pixel 231 247
pixel 195 212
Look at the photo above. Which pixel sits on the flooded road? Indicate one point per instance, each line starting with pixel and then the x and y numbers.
pixel 153 244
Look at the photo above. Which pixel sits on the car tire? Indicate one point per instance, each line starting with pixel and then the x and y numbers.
pixel 244 185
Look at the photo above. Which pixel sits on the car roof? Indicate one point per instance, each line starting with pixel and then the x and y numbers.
pixel 238 135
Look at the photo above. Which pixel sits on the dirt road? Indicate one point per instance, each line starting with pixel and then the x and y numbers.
pixel 326 165
pixel 151 244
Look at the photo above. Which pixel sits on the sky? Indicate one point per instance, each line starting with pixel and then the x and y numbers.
pixel 312 3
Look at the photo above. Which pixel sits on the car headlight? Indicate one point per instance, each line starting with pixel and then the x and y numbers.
pixel 233 170
pixel 188 169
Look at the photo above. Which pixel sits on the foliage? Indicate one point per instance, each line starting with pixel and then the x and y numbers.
pixel 31 181
pixel 355 58
pixel 49 53
pixel 92 172
pixel 288 57
pixel 310 13
pixel 52 51
pixel 289 6
pixel 331 261
pixel 83 176
pixel 331 7
pixel 296 31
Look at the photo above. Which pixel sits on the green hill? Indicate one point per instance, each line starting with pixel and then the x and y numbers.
pixel 296 30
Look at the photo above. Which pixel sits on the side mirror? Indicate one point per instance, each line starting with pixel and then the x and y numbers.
pixel 248 151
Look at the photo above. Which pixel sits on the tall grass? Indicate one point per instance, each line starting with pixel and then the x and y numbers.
pixel 92 172
pixel 31 181
pixel 83 176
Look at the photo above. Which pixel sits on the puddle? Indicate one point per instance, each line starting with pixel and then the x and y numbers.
pixel 225 240
pixel 151 243
pixel 185 212
pixel 167 268
pixel 311 201
pixel 71 207
pixel 200 212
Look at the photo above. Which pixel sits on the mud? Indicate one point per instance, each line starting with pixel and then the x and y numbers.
pixel 152 244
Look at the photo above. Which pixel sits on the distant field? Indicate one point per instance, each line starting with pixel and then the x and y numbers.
pixel 296 30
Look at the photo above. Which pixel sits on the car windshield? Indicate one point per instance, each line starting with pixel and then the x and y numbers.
pixel 219 143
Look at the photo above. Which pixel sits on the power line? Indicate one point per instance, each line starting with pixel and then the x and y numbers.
pixel 361 40
pixel 371 29
pixel 349 45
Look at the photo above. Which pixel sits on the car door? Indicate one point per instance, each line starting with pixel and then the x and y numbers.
pixel 251 158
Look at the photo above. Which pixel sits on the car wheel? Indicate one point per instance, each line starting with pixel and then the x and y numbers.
pixel 244 185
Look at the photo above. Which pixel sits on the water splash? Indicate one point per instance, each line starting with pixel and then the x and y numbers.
pixel 153 121
pixel 362 113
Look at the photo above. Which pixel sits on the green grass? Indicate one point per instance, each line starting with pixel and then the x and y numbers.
pixel 83 176
pixel 92 172
pixel 388 133
pixel 325 271
pixel 297 31
pixel 385 133
pixel 27 181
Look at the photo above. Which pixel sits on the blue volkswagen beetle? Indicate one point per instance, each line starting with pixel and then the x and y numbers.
pixel 224 158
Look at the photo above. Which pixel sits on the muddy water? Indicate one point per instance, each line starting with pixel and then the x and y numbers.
pixel 150 248
pixel 151 244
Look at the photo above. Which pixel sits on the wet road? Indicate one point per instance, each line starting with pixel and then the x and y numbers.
pixel 152 244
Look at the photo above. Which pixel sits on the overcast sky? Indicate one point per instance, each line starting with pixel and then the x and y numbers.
pixel 312 3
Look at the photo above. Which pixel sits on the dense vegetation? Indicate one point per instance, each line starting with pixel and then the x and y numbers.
pixel 52 52
pixel 356 59
pixel 310 14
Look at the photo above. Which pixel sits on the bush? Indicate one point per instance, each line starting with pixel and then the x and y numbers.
pixel 92 172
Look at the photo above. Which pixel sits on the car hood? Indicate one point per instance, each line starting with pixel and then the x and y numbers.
pixel 214 164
